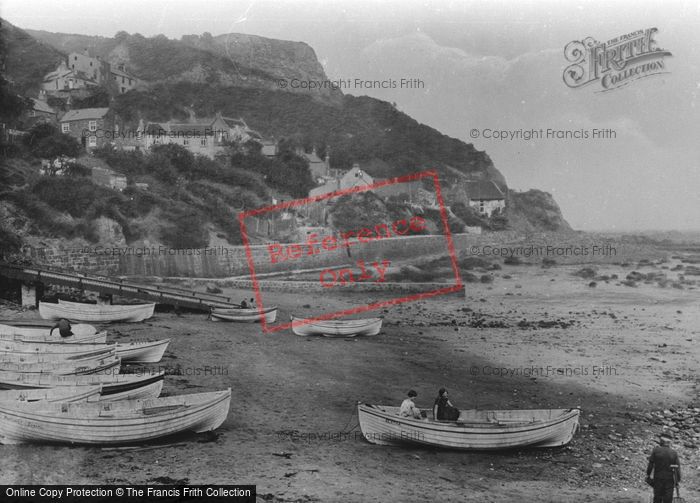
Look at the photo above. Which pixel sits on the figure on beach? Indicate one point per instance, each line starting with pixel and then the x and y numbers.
pixel 244 304
pixel 408 407
pixel 443 409
pixel 64 328
pixel 252 303
pixel 666 468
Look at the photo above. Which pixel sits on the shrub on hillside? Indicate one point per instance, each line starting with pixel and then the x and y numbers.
pixel 185 229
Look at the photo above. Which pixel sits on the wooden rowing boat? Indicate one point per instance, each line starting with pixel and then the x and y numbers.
pixel 38 329
pixel 115 386
pixel 112 423
pixel 132 352
pixel 142 352
pixel 53 348
pixel 97 338
pixel 41 358
pixel 84 366
pixel 75 311
pixel 336 328
pixel 474 430
pixel 244 314
pixel 64 394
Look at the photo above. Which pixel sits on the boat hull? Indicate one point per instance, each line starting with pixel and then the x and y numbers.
pixel 337 328
pixel 113 423
pixel 115 386
pixel 244 315
pixel 42 331
pixel 64 394
pixel 78 367
pixel 475 430
pixel 75 311
pixel 142 352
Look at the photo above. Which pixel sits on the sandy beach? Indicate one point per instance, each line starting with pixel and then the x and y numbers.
pixel 539 338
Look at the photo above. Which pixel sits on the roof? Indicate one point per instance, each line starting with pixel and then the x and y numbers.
pixel 484 191
pixel 312 157
pixel 42 106
pixel 116 71
pixel 235 122
pixel 84 114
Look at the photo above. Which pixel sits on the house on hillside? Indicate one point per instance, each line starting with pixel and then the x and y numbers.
pixel 207 138
pixel 351 178
pixel 93 127
pixel 123 80
pixel 201 136
pixel 317 166
pixel 412 192
pixel 67 79
pixel 485 196
pixel 94 68
pixel 40 112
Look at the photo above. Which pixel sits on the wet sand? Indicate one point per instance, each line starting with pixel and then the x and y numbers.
pixel 615 351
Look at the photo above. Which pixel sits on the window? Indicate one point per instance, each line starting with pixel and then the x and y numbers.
pixel 92 141
pixel 203 142
pixel 185 142
pixel 92 125
pixel 65 128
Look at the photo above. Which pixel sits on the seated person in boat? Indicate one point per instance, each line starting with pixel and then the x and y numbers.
pixel 252 303
pixel 443 410
pixel 244 304
pixel 408 407
pixel 64 328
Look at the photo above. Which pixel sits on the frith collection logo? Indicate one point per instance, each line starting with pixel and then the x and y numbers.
pixel 615 63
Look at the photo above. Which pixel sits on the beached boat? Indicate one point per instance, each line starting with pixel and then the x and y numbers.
pixel 337 328
pixel 112 423
pixel 97 338
pixel 77 359
pixel 63 394
pixel 83 366
pixel 76 311
pixel 53 348
pixel 244 314
pixel 115 386
pixel 474 430
pixel 43 329
pixel 142 352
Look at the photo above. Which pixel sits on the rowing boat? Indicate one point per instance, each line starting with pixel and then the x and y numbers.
pixel 244 314
pixel 474 430
pixel 53 347
pixel 84 366
pixel 38 329
pixel 41 358
pixel 112 423
pixel 64 394
pixel 115 386
pixel 76 311
pixel 336 328
pixel 142 352
pixel 97 338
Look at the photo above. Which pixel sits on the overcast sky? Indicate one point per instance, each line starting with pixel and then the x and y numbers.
pixel 484 65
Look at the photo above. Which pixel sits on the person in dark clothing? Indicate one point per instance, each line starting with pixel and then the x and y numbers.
pixel 663 462
pixel 244 304
pixel 64 328
pixel 443 409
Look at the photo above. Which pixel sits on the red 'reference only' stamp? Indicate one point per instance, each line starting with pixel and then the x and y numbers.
pixel 348 257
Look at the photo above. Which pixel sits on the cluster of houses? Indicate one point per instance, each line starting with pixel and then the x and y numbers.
pixel 84 72
pixel 97 127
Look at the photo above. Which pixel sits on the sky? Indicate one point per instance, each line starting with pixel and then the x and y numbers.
pixel 484 66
